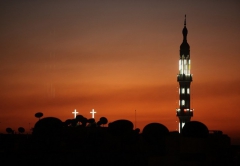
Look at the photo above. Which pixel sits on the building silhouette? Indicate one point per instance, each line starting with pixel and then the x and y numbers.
pixel 184 78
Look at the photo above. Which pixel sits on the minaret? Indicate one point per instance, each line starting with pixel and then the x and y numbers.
pixel 184 78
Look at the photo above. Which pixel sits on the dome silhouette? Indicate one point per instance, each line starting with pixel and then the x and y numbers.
pixel 48 126
pixel 154 131
pixel 195 129
pixel 121 125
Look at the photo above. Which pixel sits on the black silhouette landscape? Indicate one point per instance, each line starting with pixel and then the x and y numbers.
pixel 88 142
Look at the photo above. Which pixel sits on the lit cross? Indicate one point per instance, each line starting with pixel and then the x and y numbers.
pixel 93 112
pixel 75 113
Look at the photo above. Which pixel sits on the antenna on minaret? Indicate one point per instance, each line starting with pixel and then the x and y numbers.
pixel 185 20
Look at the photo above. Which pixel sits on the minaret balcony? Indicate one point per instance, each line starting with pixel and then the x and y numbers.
pixel 184 77
pixel 184 112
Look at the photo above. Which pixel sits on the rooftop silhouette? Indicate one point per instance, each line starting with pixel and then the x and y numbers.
pixel 116 143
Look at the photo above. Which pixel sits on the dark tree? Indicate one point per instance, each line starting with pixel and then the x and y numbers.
pixel 81 119
pixel 102 121
pixel 91 122
pixel 38 115
pixel 74 122
pixel 21 130
pixel 84 121
pixel 68 122
pixel 137 130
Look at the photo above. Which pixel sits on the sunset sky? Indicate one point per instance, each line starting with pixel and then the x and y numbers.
pixel 118 57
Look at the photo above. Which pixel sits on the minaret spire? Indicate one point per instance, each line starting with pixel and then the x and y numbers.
pixel 184 48
pixel 185 21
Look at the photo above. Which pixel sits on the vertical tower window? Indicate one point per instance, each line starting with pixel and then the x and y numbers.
pixel 183 102
pixel 188 91
pixel 183 90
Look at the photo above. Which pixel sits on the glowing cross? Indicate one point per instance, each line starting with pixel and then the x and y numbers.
pixel 93 112
pixel 75 113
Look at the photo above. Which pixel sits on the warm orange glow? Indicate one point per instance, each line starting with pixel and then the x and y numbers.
pixel 118 58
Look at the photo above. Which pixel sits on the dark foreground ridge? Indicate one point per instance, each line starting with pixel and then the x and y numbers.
pixel 84 142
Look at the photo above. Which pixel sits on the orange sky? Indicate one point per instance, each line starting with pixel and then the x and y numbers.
pixel 118 57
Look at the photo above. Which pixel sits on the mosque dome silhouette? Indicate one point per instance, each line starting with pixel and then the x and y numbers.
pixel 195 129
pixel 154 131
pixel 121 124
pixel 48 126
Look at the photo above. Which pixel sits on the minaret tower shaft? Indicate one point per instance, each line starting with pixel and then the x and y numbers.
pixel 184 78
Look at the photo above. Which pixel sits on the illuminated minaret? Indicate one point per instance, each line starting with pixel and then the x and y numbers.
pixel 184 78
